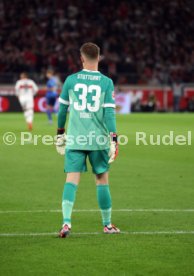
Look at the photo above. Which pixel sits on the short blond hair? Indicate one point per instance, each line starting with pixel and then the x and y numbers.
pixel 90 50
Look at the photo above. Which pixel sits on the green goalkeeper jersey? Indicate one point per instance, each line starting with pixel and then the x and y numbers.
pixel 87 93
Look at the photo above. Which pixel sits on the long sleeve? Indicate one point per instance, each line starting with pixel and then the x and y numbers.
pixel 110 120
pixel 64 104
pixel 62 115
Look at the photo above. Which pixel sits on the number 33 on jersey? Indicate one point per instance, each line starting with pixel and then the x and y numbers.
pixel 87 93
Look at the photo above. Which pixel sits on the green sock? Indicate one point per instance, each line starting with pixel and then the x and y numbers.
pixel 68 201
pixel 104 202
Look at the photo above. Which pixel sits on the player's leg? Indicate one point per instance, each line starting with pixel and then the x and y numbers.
pixel 52 103
pixel 105 203
pixel 68 200
pixel 29 113
pixel 49 113
pixel 27 107
pixel 69 195
pixel 22 102
pixel 99 161
pixel 50 108
pixel 104 197
pixel 75 163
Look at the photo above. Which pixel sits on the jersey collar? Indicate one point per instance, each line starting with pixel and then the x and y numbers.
pixel 90 71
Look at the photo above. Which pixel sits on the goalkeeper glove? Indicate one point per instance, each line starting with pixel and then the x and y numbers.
pixel 114 150
pixel 61 140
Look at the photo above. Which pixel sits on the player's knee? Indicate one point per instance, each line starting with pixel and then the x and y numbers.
pixel 102 178
pixel 29 115
pixel 73 177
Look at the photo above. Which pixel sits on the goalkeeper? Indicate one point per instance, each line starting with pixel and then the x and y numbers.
pixel 92 129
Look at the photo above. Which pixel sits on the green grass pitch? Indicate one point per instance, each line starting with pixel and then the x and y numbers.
pixel 153 204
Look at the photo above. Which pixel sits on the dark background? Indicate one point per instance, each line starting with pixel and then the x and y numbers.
pixel 142 42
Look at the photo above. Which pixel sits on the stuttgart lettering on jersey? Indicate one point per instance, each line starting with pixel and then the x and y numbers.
pixel 87 93
pixel 88 77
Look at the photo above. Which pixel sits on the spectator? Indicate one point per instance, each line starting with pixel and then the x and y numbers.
pixel 177 88
pixel 190 107
pixel 142 41
pixel 151 104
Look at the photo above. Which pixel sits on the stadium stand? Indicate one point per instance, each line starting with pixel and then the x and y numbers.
pixel 35 35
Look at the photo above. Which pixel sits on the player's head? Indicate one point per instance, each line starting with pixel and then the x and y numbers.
pixel 23 75
pixel 90 53
pixel 49 73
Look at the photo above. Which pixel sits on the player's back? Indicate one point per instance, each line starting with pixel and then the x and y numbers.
pixel 26 88
pixel 89 93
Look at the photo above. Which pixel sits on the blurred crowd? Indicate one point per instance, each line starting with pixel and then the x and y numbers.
pixel 142 42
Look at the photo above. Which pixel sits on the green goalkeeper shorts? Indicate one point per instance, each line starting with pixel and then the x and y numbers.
pixel 75 160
